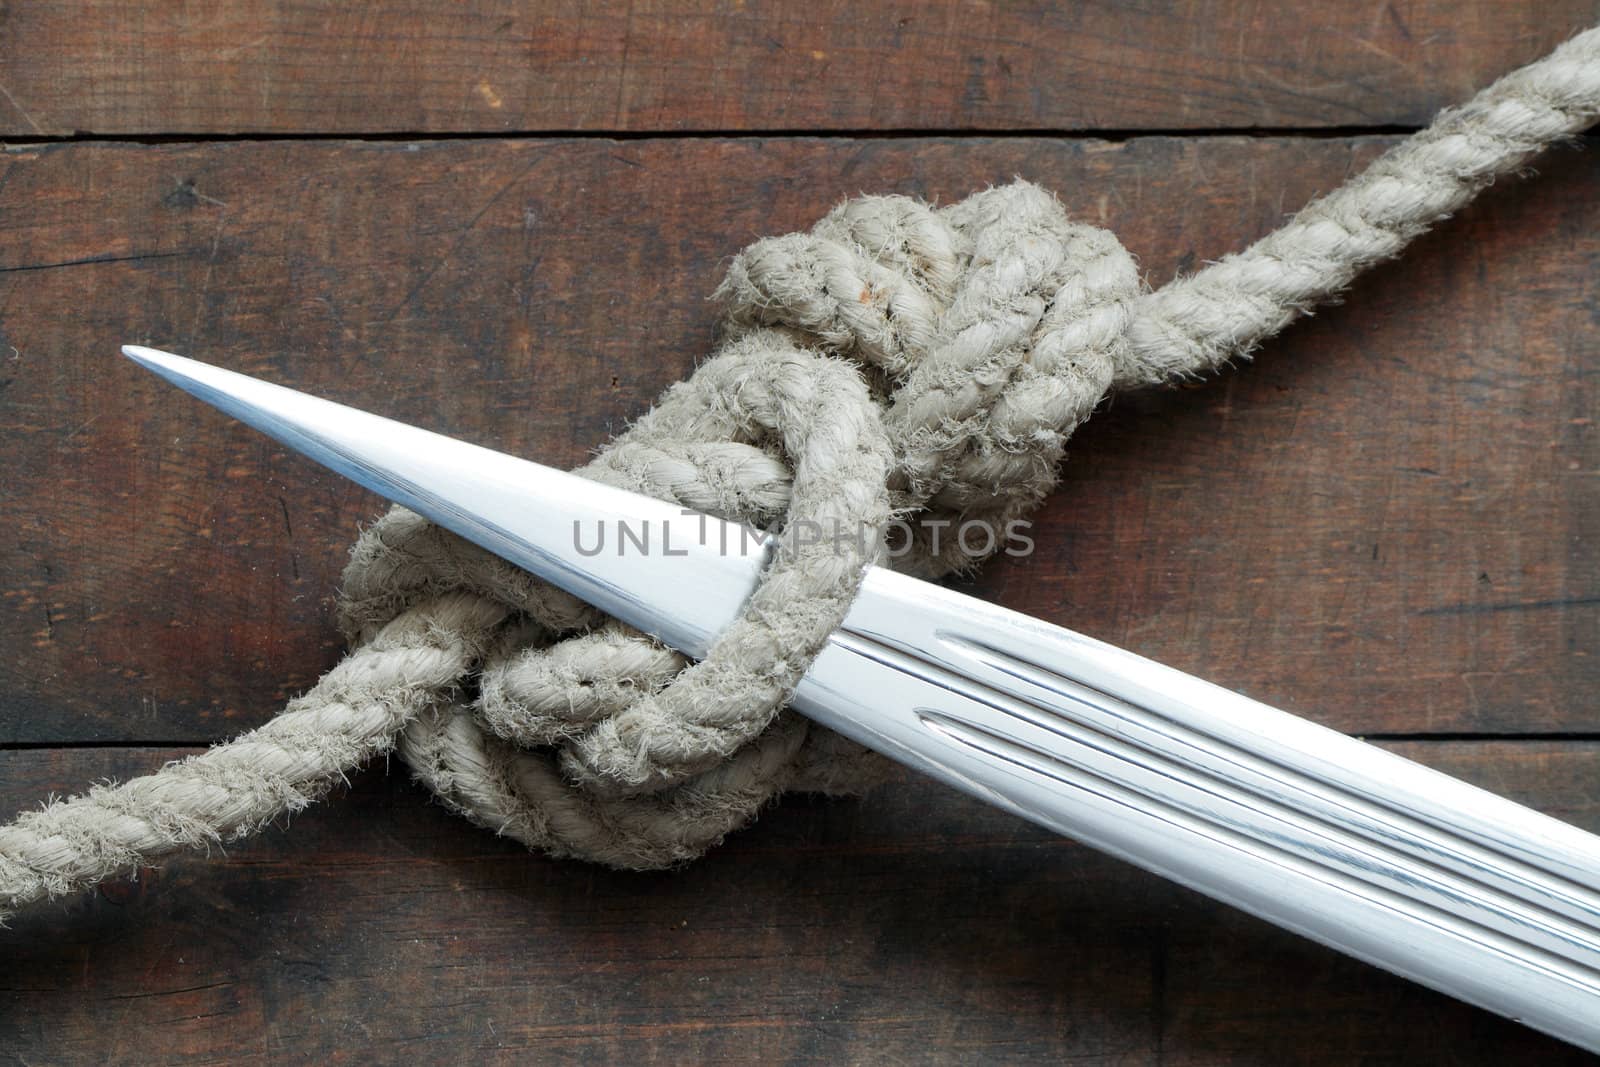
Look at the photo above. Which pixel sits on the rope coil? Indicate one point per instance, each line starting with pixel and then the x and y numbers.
pixel 895 361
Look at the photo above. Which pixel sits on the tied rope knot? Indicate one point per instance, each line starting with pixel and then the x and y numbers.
pixel 896 362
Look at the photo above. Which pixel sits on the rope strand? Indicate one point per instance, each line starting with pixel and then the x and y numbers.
pixel 987 331
pixel 1195 324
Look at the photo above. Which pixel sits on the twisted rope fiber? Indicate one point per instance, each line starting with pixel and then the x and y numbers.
pixel 896 360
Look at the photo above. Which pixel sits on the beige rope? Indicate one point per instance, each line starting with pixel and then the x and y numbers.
pixel 895 360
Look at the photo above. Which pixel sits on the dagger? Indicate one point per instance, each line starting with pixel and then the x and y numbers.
pixel 1342 842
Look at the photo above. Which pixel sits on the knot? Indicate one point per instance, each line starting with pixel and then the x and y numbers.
pixel 990 329
pixel 897 364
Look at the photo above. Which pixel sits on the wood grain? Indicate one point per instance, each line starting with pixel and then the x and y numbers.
pixel 321 66
pixel 1390 522
pixel 918 927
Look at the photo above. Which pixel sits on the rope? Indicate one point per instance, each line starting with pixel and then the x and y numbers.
pixel 896 361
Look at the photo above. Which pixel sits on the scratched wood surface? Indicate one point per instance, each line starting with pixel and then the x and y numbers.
pixel 314 66
pixel 1390 522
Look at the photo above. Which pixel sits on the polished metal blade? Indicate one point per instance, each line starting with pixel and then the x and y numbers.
pixel 1340 841
pixel 1332 838
pixel 604 545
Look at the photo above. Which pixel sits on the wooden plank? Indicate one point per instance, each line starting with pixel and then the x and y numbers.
pixel 1391 522
pixel 496 65
pixel 920 926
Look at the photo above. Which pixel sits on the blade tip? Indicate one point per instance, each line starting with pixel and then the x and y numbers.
pixel 141 354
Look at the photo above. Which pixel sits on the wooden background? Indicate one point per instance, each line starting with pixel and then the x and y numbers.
pixel 501 220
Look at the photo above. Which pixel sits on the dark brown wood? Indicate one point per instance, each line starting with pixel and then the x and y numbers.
pixel 1390 522
pixel 496 65
pixel 918 927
